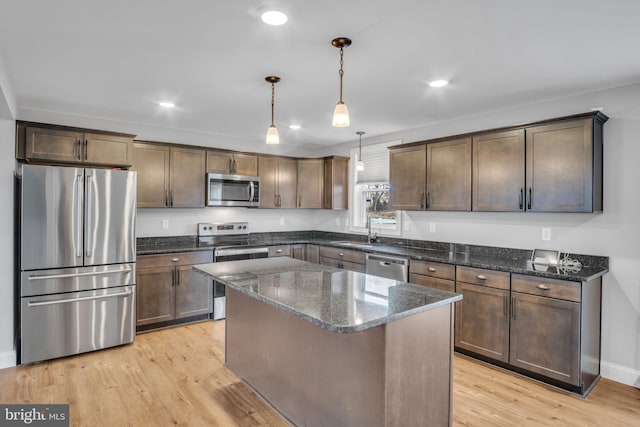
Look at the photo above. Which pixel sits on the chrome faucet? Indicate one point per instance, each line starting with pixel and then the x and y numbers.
pixel 371 237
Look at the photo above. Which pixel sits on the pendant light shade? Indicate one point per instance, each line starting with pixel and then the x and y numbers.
pixel 359 161
pixel 341 114
pixel 272 132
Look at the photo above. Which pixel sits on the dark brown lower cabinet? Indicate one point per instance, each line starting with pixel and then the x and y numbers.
pixel 299 251
pixel 433 275
pixel 482 321
pixel 167 288
pixel 343 258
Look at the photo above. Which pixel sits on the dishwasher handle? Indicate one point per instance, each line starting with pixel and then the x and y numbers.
pixel 385 260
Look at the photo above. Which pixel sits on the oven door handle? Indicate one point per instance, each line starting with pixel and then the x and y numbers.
pixel 68 300
pixel 246 251
pixel 252 191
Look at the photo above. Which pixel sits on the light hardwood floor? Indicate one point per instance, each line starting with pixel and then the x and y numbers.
pixel 177 377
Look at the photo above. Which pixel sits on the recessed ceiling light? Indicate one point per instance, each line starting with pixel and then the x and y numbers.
pixel 294 126
pixel 274 17
pixel 166 104
pixel 438 83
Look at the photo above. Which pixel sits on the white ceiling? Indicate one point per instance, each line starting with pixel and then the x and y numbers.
pixel 115 59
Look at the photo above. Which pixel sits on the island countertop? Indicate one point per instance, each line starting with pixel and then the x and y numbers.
pixel 338 300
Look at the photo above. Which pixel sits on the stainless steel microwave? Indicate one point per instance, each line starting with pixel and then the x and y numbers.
pixel 233 190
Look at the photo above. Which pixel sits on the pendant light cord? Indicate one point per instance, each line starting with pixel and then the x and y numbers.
pixel 273 94
pixel 341 72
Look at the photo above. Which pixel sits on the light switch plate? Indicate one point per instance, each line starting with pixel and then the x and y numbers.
pixel 281 220
pixel 165 224
pixel 432 227
pixel 546 234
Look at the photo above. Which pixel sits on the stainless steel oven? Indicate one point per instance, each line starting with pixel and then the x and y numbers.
pixel 233 190
pixel 230 242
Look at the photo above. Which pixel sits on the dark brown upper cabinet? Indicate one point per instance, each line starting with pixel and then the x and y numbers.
pixel 449 175
pixel 169 176
pixel 278 182
pixel 408 177
pixel 63 145
pixel 232 163
pixel 310 183
pixel 336 183
pixel 564 166
pixel 498 171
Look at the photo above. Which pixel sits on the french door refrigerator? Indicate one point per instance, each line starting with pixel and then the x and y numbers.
pixel 77 260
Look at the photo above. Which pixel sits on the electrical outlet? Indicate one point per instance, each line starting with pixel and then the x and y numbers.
pixel 338 222
pixel 432 227
pixel 165 224
pixel 281 220
pixel 546 234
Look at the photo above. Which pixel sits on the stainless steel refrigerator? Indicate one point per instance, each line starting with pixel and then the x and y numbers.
pixel 77 260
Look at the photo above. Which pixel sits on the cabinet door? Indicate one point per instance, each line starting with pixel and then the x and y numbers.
pixel 336 183
pixel 560 167
pixel 482 321
pixel 245 164
pixel 194 293
pixel 279 250
pixel 53 145
pixel 310 183
pixel 433 282
pixel 299 251
pixel 407 177
pixel 154 295
pixel 287 183
pixel 313 253
pixel 187 178
pixel 449 175
pixel 110 150
pixel 545 336
pixel 498 172
pixel 151 161
pixel 268 172
pixel 219 162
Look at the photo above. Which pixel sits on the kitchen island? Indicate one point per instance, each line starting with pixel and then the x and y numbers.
pixel 330 347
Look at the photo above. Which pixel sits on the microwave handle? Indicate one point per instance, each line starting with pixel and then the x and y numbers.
pixel 252 191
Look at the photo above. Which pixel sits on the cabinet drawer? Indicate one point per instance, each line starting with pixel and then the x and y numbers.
pixel 433 269
pixel 177 258
pixel 552 288
pixel 346 265
pixel 480 276
pixel 343 254
pixel 280 250
pixel 432 282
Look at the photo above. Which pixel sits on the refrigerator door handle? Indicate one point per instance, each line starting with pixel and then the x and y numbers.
pixel 89 218
pixel 64 301
pixel 90 273
pixel 79 191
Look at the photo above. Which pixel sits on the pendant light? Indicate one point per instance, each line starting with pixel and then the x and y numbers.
pixel 341 114
pixel 272 133
pixel 359 162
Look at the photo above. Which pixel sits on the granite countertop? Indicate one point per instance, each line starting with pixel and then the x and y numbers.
pixel 492 258
pixel 338 300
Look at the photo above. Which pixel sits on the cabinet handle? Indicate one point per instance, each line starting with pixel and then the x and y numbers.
pixel 86 155
pixel 299 201
pixel 78 150
pixel 177 277
pixel 422 200
pixel 341 254
pixel 543 287
pixel 166 198
pixel 431 269
pixel 235 164
pixel 230 166
pixel 279 201
pixel 530 202
pixel 426 201
pixel 513 307
pixel 175 259
pixel 171 198
pixel 521 199
pixel 173 277
pixel 505 305
pixel 481 277
pixel 275 200
pixel 279 251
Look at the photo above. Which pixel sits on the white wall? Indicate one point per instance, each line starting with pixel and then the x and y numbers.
pixel 7 162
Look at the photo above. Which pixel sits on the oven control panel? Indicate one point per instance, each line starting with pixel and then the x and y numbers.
pixel 222 229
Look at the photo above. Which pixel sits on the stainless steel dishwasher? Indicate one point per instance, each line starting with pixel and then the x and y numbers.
pixel 388 266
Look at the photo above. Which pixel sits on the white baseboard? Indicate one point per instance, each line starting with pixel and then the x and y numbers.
pixel 620 373
pixel 7 359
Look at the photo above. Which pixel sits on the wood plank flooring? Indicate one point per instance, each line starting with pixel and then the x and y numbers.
pixel 177 377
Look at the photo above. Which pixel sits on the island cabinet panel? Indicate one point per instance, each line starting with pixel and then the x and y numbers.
pixel 278 182
pixel 433 274
pixel 232 163
pixel 449 175
pixel 482 317
pixel 545 330
pixel 343 258
pixel 310 183
pixel 407 177
pixel 168 289
pixel 564 166
pixel 74 146
pixel 499 171
pixel 336 183
pixel 169 176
